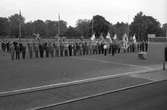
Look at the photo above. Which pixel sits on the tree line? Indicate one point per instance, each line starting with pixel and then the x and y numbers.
pixel 141 26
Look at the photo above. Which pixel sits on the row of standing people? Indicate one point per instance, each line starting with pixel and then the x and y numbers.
pixel 20 50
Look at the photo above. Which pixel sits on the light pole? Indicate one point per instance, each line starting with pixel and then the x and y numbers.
pixel 19 25
pixel 92 26
pixel 59 25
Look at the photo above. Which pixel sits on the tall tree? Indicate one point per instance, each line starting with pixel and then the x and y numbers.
pixel 52 28
pixel 143 25
pixel 100 25
pixel 63 27
pixel 83 27
pixel 40 27
pixel 14 22
pixel 164 30
pixel 120 29
pixel 71 32
pixel 4 26
pixel 29 29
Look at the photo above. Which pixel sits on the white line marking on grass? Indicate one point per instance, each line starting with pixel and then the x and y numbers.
pixel 112 62
pixel 96 95
pixel 44 87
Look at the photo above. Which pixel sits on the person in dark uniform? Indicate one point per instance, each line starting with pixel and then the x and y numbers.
pixel 41 50
pixel 23 51
pixel 17 52
pixel 70 49
pixel 102 49
pixel 83 48
pixel 113 49
pixel 7 46
pixel 146 46
pixel 46 48
pixel 61 49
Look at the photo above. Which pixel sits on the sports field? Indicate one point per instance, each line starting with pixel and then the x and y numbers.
pixel 39 82
pixel 37 72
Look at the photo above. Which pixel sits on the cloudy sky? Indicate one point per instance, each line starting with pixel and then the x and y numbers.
pixel 72 10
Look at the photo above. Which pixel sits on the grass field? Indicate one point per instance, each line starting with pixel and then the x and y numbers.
pixel 37 72
pixel 73 77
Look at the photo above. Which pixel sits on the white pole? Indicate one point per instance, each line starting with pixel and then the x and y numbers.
pixel 20 25
pixel 58 24
pixel 92 25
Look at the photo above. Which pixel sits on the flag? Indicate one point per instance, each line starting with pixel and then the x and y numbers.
pixel 93 37
pixel 125 38
pixel 134 38
pixel 115 37
pixel 108 37
pixel 125 41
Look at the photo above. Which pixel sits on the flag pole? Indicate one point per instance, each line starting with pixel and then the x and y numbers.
pixel 92 25
pixel 58 24
pixel 20 25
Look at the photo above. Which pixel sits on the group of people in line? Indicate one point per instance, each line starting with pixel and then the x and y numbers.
pixel 37 49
